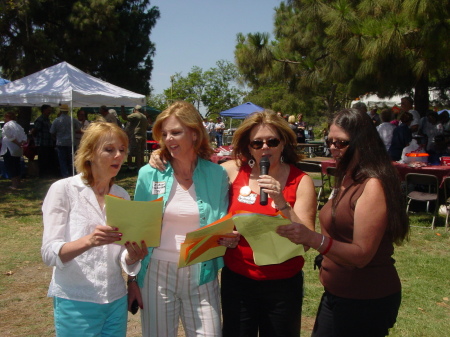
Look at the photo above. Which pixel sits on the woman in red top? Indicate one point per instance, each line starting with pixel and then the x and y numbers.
pixel 360 225
pixel 265 299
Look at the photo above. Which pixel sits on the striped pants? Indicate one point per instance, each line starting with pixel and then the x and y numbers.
pixel 171 293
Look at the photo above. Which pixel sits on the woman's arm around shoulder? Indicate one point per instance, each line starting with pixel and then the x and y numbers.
pixel 232 169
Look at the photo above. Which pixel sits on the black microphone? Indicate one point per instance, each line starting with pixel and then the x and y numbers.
pixel 264 166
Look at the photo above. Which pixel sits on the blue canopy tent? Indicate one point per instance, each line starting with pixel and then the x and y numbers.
pixel 3 81
pixel 241 111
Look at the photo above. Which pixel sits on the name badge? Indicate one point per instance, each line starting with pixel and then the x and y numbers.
pixel 159 187
pixel 249 199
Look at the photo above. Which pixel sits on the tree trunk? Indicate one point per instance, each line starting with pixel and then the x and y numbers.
pixel 421 95
pixel 331 100
pixel 24 118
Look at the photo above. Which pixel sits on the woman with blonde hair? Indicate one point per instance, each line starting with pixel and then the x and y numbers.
pixel 87 285
pixel 195 194
pixel 291 121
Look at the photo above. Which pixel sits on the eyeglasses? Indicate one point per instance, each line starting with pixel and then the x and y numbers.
pixel 258 144
pixel 338 144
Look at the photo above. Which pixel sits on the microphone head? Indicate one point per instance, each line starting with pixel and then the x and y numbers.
pixel 264 161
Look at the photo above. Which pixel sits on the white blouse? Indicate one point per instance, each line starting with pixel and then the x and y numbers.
pixel 12 131
pixel 71 211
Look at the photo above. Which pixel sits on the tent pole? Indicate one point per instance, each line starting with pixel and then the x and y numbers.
pixel 72 137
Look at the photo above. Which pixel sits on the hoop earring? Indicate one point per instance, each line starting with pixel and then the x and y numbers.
pixel 251 162
pixel 282 159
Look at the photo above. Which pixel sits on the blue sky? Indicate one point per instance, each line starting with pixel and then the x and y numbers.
pixel 201 32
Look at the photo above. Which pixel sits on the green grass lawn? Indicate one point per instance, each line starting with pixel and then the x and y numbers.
pixel 26 311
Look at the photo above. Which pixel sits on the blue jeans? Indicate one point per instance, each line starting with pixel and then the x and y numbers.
pixel 219 139
pixel 65 160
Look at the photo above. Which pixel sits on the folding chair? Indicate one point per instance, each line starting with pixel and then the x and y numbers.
pixel 318 183
pixel 425 188
pixel 447 199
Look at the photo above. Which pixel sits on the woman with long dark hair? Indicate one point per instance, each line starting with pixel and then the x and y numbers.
pixel 359 225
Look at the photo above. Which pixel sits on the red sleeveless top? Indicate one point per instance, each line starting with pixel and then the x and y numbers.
pixel 240 259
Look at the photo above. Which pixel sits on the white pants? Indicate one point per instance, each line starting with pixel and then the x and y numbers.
pixel 169 293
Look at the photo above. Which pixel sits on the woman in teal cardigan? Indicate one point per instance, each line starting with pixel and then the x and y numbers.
pixel 195 194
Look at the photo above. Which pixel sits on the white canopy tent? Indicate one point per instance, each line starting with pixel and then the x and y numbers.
pixel 66 84
pixel 373 101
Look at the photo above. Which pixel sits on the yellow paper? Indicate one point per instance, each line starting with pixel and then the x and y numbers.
pixel 202 244
pixel 260 232
pixel 136 220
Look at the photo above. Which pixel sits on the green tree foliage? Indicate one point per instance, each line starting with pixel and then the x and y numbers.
pixel 336 48
pixel 189 88
pixel 107 39
pixel 158 101
pixel 221 92
pixel 215 90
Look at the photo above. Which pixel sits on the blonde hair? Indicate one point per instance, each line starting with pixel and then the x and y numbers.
pixel 189 116
pixel 291 119
pixel 241 138
pixel 93 139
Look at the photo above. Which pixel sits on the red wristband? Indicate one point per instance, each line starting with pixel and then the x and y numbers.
pixel 330 243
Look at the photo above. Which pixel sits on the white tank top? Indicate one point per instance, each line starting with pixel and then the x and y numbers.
pixel 180 217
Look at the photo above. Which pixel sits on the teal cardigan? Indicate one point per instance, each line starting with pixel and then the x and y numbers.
pixel 211 188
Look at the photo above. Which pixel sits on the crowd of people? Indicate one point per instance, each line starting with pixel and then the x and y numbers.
pixel 215 130
pixel 55 142
pixel 407 130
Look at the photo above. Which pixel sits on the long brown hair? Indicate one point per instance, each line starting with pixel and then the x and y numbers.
pixel 366 157
pixel 241 137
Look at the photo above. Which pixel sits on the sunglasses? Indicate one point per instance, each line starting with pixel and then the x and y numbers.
pixel 338 144
pixel 258 144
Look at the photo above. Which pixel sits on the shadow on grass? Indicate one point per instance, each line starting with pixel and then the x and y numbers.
pixel 27 200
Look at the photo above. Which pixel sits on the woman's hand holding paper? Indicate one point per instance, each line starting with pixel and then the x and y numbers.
pixel 230 240
pixel 135 253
